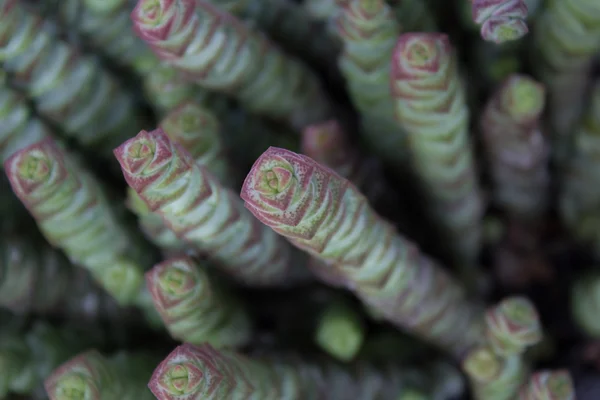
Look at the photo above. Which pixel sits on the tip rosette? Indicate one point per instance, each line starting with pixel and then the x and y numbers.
pixel 191 372
pixel 186 124
pixel 144 157
pixel 523 98
pixel 501 20
pixel 164 24
pixel 35 171
pixel 291 193
pixel 513 325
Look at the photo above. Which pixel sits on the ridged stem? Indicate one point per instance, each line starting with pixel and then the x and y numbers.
pixel 195 307
pixel 202 212
pixel 325 215
pixel 68 88
pixel 429 98
pixel 220 53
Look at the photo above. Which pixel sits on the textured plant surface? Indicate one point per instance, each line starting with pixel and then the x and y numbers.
pixel 414 15
pixel 430 103
pixel 69 89
pixel 368 31
pixel 202 212
pixel 512 326
pixel 493 377
pixel 262 77
pixel 288 23
pixel 549 385
pixel 501 20
pixel 580 195
pixel 516 148
pixel 194 307
pixel 340 331
pixel 73 213
pixel 202 372
pixel 324 214
pixel 92 376
pixel 566 38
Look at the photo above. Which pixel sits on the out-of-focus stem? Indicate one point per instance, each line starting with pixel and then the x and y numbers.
pixel 202 212
pixel 430 103
pixel 501 20
pixel 69 89
pixel 191 372
pixel 72 211
pixel 368 31
pixel 516 148
pixel 92 376
pixel 340 331
pixel 195 308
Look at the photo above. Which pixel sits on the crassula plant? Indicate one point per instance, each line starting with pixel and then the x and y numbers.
pixel 90 375
pixel 430 102
pixel 325 215
pixel 264 79
pixel 202 212
pixel 501 20
pixel 549 385
pixel 195 307
pixel 68 88
pixel 73 212
pixel 201 372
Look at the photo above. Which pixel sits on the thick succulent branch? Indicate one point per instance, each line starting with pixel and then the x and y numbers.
pixel 328 144
pixel 201 212
pixel 430 103
pixel 516 148
pixel 580 195
pixel 501 20
pixel 322 213
pixel 198 130
pixel 195 307
pixel 368 31
pixel 69 89
pixel 18 127
pixel 26 358
pixel 565 40
pixel 220 53
pixel 107 26
pixel 194 373
pixel 73 212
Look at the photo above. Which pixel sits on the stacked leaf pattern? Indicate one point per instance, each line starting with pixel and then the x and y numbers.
pixel 236 59
pixel 325 215
pixel 202 212
pixel 194 307
pixel 430 103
